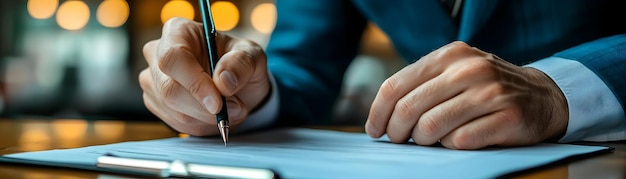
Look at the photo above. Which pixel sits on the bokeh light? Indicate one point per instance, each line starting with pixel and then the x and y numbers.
pixel 73 15
pixel 225 15
pixel 35 137
pixel 113 13
pixel 177 8
pixel 69 129
pixel 42 9
pixel 109 130
pixel 263 17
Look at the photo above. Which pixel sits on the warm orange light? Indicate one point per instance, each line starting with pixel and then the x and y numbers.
pixel 225 15
pixel 177 8
pixel 42 9
pixel 113 13
pixel 263 17
pixel 109 130
pixel 73 15
pixel 69 132
pixel 35 137
pixel 69 129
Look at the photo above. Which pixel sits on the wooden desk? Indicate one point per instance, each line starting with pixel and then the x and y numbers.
pixel 36 135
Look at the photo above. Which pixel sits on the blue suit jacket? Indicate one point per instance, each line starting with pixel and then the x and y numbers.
pixel 314 41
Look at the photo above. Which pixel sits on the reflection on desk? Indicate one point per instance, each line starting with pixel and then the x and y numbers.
pixel 35 135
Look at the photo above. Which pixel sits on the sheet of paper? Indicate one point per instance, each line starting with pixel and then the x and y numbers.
pixel 309 153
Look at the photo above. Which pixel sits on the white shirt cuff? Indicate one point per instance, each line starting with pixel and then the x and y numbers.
pixel 595 114
pixel 265 115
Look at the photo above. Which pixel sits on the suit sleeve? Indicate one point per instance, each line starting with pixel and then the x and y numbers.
pixel 606 58
pixel 310 48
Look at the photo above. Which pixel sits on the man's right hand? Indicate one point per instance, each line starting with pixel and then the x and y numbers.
pixel 177 86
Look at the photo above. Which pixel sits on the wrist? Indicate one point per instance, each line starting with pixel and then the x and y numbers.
pixel 553 102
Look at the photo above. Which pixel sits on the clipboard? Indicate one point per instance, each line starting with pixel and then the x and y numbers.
pixel 310 153
pixel 158 168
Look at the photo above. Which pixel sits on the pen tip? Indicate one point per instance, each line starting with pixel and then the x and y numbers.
pixel 223 127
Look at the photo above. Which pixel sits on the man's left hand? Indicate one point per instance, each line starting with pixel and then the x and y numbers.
pixel 468 99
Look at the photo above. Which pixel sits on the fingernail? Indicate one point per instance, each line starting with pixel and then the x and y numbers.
pixel 210 103
pixel 229 79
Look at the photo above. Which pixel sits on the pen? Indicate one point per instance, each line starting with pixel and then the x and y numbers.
pixel 178 168
pixel 209 33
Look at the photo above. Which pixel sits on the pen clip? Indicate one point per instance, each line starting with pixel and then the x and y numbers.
pixel 205 6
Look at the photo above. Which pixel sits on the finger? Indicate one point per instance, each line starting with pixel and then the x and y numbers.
pixel 180 113
pixel 243 63
pixel 178 59
pixel 164 113
pixel 491 129
pixel 184 31
pixel 392 89
pixel 150 50
pixel 405 80
pixel 180 122
pixel 409 108
pixel 449 115
pixel 180 100
pixel 174 96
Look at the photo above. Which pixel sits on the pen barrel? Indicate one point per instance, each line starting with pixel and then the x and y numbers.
pixel 209 34
pixel 213 58
pixel 212 50
pixel 210 37
pixel 223 111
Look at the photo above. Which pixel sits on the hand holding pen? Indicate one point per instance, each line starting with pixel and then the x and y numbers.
pixel 179 88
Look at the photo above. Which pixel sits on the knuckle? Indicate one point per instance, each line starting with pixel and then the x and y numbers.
pixel 195 86
pixel 459 44
pixel 246 60
pixel 148 48
pixel 405 111
pixel 489 93
pixel 388 89
pixel 453 48
pixel 168 56
pixel 512 116
pixel 430 89
pixel 428 125
pixel 167 92
pixel 144 79
pixel 478 66
pixel 175 23
pixel 462 47
pixel 471 69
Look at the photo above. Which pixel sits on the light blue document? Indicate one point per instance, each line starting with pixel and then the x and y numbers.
pixel 309 153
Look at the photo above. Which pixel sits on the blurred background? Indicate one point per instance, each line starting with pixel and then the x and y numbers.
pixel 81 58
